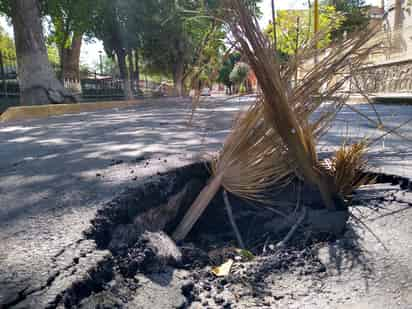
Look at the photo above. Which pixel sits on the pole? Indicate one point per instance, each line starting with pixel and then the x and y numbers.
pixel 297 49
pixel 101 62
pixel 316 26
pixel 275 43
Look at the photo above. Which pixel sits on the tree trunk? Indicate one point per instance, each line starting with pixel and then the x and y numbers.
pixel 121 62
pixel 37 80
pixel 178 79
pixel 70 58
pixel 131 68
pixel 137 70
pixel 124 74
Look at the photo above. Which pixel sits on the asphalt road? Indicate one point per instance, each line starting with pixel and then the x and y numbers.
pixel 55 172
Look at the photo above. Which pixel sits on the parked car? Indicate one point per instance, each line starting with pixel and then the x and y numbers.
pixel 206 92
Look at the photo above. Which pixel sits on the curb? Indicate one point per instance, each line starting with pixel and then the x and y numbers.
pixel 45 111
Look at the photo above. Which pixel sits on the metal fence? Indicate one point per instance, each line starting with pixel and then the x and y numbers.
pixel 8 74
pixel 105 87
pixel 91 88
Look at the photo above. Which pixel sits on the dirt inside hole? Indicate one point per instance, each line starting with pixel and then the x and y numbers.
pixel 160 203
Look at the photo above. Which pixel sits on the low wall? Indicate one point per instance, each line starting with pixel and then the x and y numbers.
pixel 44 111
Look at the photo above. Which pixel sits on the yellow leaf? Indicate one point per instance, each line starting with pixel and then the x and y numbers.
pixel 223 270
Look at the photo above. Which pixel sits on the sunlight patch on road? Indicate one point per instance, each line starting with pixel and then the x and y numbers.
pixel 22 139
pixel 16 129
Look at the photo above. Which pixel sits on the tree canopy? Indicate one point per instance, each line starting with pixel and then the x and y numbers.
pixel 177 39
pixel 355 13
pixel 295 28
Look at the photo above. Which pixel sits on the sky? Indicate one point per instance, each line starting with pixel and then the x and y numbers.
pixel 90 51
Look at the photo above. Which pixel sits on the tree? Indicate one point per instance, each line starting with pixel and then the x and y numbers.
pixel 207 58
pixel 294 28
pixel 179 42
pixel 168 42
pixel 239 73
pixel 355 13
pixel 69 20
pixel 119 24
pixel 227 68
pixel 37 80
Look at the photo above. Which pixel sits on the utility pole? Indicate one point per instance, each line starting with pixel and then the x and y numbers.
pixel 275 43
pixel 316 27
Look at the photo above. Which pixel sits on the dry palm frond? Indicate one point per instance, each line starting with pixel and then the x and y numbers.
pixel 287 111
pixel 248 157
pixel 251 161
pixel 275 140
pixel 347 167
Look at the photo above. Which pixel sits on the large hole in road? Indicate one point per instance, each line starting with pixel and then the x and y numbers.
pixel 135 226
pixel 160 203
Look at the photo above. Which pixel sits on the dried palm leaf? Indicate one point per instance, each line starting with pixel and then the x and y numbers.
pixel 287 112
pixel 275 140
pixel 347 167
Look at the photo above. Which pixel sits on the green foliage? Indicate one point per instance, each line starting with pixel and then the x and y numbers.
pixel 239 73
pixel 356 16
pixel 7 45
pixel 242 89
pixel 171 37
pixel 67 18
pixel 120 24
pixel 5 7
pixel 179 32
pixel 8 50
pixel 168 38
pixel 227 68
pixel 53 54
pixel 295 28
pixel 210 61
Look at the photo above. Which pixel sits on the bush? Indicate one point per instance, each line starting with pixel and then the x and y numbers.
pixel 239 73
pixel 242 89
